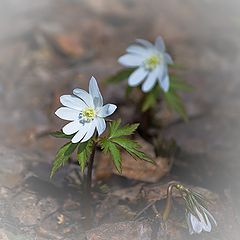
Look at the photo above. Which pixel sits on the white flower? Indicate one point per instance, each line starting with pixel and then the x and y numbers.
pixel 151 62
pixel 85 111
pixel 203 221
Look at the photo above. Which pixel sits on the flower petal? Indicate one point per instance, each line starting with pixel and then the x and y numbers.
pixel 136 49
pixel 86 97
pixel 81 133
pixel 189 224
pixel 151 80
pixel 101 125
pixel 106 110
pixel 90 131
pixel 95 93
pixel 159 43
pixel 137 76
pixel 165 83
pixel 207 226
pixel 145 43
pixel 196 224
pixel 212 219
pixel 71 127
pixel 164 79
pixel 67 113
pixel 72 102
pixel 168 58
pixel 131 60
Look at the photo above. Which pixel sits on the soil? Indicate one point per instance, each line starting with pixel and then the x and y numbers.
pixel 51 47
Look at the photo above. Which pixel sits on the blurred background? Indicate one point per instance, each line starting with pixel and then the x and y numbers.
pixel 48 47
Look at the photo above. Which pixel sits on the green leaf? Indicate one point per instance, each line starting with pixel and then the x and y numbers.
pixel 84 151
pixel 132 147
pixel 117 131
pixel 116 156
pixel 120 76
pixel 109 147
pixel 175 103
pixel 177 66
pixel 62 156
pixel 128 91
pixel 61 134
pixel 113 126
pixel 150 98
pixel 148 102
pixel 176 84
pixel 117 138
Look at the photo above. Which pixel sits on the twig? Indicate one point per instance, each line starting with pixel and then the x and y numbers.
pixel 144 209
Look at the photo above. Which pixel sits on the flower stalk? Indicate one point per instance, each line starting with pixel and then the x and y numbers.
pixel 90 169
pixel 197 216
pixel 87 197
pixel 88 115
pixel 168 206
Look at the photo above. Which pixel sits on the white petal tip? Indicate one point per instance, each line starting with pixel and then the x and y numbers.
pixel 56 113
pixel 145 90
pixel 63 129
pixel 93 80
pixel 121 61
pixel 76 91
pixel 112 109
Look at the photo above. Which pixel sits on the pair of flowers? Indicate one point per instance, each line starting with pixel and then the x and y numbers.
pixel 86 110
pixel 86 113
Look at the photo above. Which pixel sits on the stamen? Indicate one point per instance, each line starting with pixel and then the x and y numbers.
pixel 151 62
pixel 86 115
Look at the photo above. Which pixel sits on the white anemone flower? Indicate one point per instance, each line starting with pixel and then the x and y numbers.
pixel 203 221
pixel 151 61
pixel 85 111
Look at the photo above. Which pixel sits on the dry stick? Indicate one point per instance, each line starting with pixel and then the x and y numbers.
pixel 144 209
pixel 168 205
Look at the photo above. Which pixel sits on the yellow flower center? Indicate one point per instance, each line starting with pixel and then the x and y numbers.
pixel 88 113
pixel 151 62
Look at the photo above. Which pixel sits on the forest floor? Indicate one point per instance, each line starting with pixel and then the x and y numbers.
pixel 49 47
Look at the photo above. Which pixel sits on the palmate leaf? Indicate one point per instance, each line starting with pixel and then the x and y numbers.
pixel 174 102
pixel 109 147
pixel 61 134
pixel 132 147
pixel 149 101
pixel 120 76
pixel 62 156
pixel 83 153
pixel 116 131
pixel 177 66
pixel 117 139
pixel 150 98
pixel 177 84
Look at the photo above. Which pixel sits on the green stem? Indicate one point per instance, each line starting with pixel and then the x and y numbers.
pixel 87 204
pixel 90 169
